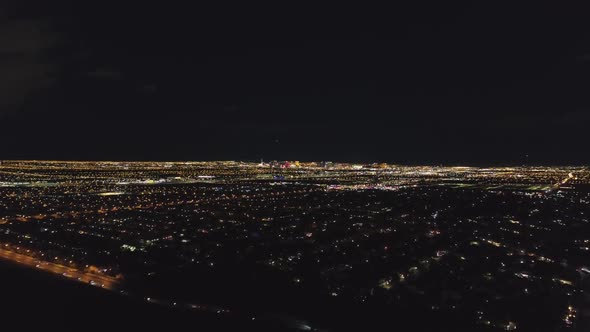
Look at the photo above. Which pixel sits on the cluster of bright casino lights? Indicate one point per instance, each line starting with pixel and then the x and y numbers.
pixel 485 242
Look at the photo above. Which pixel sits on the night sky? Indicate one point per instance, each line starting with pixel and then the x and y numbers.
pixel 433 83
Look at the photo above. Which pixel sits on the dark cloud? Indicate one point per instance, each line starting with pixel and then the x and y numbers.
pixel 579 119
pixel 443 83
pixel 106 74
pixel 25 65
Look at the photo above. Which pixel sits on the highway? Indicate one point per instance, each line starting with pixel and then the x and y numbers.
pixel 93 279
pixel 559 184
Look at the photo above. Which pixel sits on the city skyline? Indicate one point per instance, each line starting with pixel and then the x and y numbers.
pixel 470 248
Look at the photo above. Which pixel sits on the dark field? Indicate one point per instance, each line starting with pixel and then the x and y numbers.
pixel 32 299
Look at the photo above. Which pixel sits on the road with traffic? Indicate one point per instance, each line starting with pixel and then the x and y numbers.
pixel 91 278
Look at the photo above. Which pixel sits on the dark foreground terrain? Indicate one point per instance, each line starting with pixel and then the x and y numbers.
pixel 31 299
